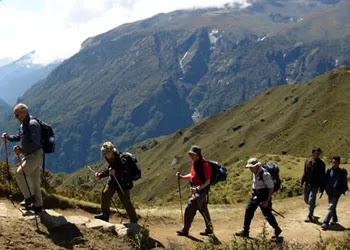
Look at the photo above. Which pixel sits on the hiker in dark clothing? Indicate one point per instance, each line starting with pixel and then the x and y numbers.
pixel 314 179
pixel 263 189
pixel 29 137
pixel 336 185
pixel 119 180
pixel 200 182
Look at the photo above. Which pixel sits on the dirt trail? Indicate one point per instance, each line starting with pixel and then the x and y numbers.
pixel 164 221
pixel 228 219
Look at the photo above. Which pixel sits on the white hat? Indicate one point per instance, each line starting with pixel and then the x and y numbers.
pixel 253 162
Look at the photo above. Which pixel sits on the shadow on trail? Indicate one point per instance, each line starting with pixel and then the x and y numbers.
pixel 193 238
pixel 61 232
pixel 215 240
pixel 316 220
pixel 338 227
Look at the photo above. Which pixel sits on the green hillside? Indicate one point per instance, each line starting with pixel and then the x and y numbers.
pixel 289 119
pixel 4 109
pixel 150 78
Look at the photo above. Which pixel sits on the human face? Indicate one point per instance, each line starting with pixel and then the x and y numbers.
pixel 254 169
pixel 109 156
pixel 20 115
pixel 335 163
pixel 316 155
pixel 194 157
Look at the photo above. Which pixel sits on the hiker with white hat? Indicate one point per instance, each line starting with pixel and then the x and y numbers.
pixel 263 189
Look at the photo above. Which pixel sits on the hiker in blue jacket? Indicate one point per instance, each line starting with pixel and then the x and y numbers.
pixel 336 185
pixel 30 147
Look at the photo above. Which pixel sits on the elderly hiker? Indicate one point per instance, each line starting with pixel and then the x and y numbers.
pixel 119 180
pixel 200 182
pixel 263 189
pixel 314 179
pixel 29 137
pixel 336 185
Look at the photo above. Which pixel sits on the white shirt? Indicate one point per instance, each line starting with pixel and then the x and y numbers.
pixel 265 182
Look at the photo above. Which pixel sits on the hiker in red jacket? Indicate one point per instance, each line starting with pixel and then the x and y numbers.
pixel 200 182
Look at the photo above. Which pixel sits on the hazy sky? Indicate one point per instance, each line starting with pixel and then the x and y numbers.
pixel 56 28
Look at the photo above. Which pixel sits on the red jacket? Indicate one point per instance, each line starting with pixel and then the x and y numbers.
pixel 206 170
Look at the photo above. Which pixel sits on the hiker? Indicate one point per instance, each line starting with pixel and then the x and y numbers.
pixel 314 179
pixel 263 189
pixel 336 185
pixel 200 183
pixel 119 180
pixel 30 138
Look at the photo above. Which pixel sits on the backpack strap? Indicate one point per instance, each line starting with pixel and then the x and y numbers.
pixel 44 161
pixel 199 170
pixel 261 174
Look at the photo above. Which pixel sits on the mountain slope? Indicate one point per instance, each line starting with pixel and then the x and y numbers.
pixel 289 119
pixel 20 75
pixel 152 77
pixel 4 109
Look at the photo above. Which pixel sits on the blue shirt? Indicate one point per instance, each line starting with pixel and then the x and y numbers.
pixel 29 136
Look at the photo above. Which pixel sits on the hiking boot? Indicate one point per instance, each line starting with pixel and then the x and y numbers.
pixel 27 202
pixel 309 219
pixel 38 210
pixel 277 233
pixel 182 233
pixel 30 207
pixel 206 232
pixel 102 216
pixel 243 233
pixel 324 226
pixel 333 223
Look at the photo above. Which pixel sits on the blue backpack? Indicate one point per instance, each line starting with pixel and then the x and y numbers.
pixel 218 173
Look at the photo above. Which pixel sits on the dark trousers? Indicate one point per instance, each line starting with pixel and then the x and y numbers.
pixel 124 197
pixel 332 209
pixel 253 204
pixel 198 202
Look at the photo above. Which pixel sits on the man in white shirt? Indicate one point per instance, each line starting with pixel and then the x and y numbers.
pixel 263 188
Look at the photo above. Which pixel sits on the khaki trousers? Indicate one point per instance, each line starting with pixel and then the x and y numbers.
pixel 32 168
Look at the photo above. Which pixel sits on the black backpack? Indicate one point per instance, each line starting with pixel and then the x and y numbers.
pixel 274 171
pixel 345 179
pixel 135 171
pixel 218 173
pixel 47 137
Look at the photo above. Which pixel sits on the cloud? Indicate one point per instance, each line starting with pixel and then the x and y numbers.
pixel 57 29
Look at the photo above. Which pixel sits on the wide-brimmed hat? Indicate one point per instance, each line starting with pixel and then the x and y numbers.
pixel 195 150
pixel 253 162
pixel 108 147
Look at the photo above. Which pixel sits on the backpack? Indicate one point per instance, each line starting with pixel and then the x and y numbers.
pixel 274 171
pixel 345 179
pixel 47 137
pixel 135 170
pixel 218 173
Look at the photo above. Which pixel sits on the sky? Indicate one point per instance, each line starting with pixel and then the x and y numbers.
pixel 55 29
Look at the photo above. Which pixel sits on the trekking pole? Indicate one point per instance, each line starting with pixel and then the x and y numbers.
pixel 88 167
pixel 182 214
pixel 30 193
pixel 321 195
pixel 115 178
pixel 277 213
pixel 9 177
